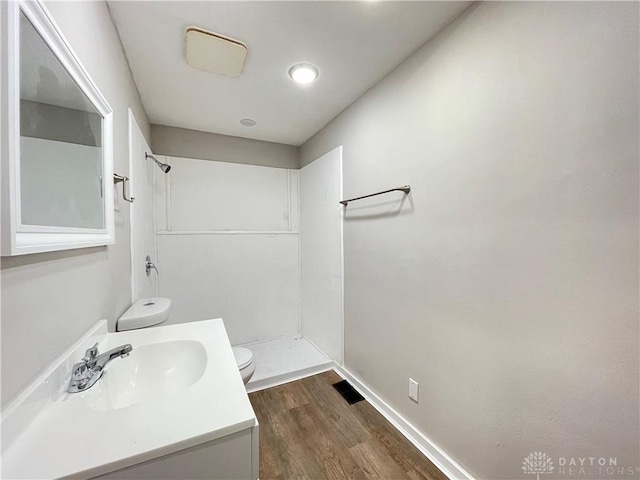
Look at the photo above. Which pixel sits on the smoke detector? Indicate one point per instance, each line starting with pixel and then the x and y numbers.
pixel 215 53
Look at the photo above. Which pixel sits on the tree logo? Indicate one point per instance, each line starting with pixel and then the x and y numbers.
pixel 537 462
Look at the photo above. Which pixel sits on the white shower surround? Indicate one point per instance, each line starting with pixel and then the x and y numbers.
pixel 229 245
pixel 227 237
pixel 321 256
pixel 143 240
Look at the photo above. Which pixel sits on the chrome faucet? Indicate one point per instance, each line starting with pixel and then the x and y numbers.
pixel 89 370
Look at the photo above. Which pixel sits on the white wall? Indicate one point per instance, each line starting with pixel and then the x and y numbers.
pixel 228 246
pixel 143 234
pixel 49 300
pixel 507 282
pixel 321 253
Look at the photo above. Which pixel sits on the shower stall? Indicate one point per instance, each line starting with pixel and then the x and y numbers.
pixel 260 247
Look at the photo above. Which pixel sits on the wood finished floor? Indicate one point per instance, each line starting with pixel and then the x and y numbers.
pixel 308 431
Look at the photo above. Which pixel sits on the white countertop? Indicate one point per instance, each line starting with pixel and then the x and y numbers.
pixel 69 437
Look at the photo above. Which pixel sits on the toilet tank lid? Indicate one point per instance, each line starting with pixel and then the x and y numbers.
pixel 243 355
pixel 144 313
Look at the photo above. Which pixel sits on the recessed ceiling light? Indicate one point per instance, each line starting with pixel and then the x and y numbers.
pixel 247 122
pixel 303 72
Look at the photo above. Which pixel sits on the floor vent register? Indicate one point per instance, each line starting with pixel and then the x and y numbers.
pixel 347 391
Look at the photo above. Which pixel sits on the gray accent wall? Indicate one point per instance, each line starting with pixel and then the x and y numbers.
pixel 49 300
pixel 185 143
pixel 506 283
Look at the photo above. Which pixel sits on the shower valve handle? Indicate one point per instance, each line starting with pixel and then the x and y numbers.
pixel 149 265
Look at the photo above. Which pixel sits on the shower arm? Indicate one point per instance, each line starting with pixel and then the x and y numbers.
pixel 157 162
pixel 165 167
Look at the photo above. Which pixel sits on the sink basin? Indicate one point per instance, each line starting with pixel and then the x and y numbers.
pixel 154 371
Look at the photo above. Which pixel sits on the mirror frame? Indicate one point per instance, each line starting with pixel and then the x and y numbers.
pixel 19 239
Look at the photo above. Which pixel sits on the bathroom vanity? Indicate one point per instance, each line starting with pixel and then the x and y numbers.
pixel 176 407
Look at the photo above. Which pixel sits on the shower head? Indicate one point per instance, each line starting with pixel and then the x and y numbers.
pixel 163 166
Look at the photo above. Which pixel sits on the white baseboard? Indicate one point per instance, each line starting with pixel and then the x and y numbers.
pixel 255 386
pixel 426 446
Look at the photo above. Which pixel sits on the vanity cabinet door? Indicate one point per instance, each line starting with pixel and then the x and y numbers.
pixel 229 457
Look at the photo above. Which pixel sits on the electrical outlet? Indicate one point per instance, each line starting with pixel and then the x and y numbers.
pixel 413 390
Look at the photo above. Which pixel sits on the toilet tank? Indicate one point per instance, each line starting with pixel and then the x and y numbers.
pixel 145 312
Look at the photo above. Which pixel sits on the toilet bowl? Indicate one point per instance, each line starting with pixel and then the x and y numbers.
pixel 245 361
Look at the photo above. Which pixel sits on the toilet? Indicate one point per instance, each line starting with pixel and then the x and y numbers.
pixel 146 312
pixel 246 363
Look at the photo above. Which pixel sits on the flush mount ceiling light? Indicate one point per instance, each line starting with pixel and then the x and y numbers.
pixel 247 122
pixel 303 72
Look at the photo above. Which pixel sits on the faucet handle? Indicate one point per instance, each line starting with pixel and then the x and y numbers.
pixel 80 376
pixel 79 371
pixel 91 354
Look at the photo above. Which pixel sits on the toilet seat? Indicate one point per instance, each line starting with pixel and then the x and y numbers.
pixel 244 357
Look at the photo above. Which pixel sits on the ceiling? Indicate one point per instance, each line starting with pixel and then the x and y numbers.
pixel 353 44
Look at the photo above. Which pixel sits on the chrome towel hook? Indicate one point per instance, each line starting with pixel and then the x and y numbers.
pixel 124 179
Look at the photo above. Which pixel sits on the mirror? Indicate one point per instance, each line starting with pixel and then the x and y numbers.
pixel 60 141
pixel 59 166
